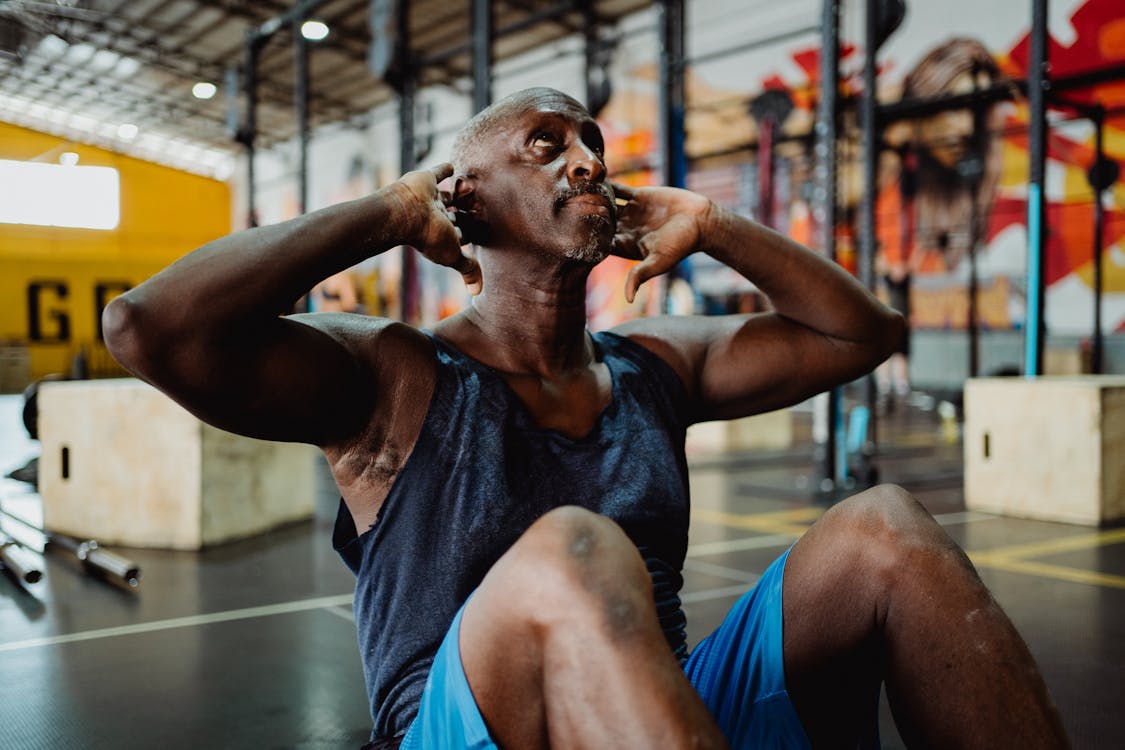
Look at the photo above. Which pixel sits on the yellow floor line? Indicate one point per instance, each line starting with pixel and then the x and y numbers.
pixel 794 522
pixel 1011 558
pixel 1061 544
pixel 1046 570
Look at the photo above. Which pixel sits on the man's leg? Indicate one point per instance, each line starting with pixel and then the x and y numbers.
pixel 877 590
pixel 561 646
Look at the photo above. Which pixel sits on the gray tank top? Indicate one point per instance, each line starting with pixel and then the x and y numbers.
pixel 480 473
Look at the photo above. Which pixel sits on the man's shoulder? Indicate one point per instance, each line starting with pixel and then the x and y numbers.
pixel 673 338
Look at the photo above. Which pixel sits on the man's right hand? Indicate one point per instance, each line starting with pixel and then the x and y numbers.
pixel 428 223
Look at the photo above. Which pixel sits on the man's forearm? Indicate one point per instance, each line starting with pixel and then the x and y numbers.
pixel 802 285
pixel 261 272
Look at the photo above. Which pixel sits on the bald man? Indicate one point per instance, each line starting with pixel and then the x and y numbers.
pixel 515 494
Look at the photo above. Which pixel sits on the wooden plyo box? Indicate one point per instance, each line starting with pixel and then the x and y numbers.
pixel 1050 448
pixel 770 431
pixel 124 464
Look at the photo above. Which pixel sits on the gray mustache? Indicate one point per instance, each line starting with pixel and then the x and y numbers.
pixel 582 188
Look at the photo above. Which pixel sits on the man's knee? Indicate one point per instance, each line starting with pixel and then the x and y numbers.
pixel 889 535
pixel 572 561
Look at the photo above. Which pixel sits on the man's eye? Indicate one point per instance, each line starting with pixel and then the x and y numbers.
pixel 547 138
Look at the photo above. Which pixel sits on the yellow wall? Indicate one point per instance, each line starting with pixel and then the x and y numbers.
pixel 165 213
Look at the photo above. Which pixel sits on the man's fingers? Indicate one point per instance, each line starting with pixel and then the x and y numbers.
pixel 470 271
pixel 653 265
pixel 442 171
pixel 624 192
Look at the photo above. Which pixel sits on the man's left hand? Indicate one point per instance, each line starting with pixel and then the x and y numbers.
pixel 659 226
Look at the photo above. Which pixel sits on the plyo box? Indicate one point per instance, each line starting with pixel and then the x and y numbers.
pixel 124 464
pixel 1049 448
pixel 770 431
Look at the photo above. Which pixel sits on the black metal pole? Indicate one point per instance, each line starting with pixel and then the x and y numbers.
pixel 1038 85
pixel 590 49
pixel 301 107
pixel 249 130
pixel 825 206
pixel 407 98
pixel 672 92
pixel 973 173
pixel 974 284
pixel 867 242
pixel 482 54
pixel 1097 352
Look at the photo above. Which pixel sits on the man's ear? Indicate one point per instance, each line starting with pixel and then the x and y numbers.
pixel 468 211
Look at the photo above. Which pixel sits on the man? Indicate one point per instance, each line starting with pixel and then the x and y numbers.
pixel 512 457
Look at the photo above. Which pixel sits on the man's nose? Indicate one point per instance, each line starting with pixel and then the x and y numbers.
pixel 583 165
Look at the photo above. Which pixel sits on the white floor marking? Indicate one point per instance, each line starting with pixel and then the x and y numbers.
pixel 268 610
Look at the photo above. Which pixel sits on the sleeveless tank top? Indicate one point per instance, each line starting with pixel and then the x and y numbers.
pixel 480 473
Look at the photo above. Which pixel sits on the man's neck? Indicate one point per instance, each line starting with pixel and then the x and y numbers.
pixel 531 319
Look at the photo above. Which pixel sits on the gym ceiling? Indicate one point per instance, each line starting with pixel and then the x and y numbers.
pixel 89 69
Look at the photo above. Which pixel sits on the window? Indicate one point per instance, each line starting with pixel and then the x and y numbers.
pixel 53 195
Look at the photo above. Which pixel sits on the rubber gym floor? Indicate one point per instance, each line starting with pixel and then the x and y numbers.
pixel 252 645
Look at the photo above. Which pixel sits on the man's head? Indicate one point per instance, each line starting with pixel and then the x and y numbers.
pixel 529 172
pixel 958 66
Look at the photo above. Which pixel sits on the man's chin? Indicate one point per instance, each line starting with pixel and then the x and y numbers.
pixel 597 242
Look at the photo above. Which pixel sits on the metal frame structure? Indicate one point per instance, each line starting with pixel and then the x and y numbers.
pixel 1042 90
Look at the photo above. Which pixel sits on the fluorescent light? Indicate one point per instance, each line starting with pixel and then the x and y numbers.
pixel 104 60
pixel 203 90
pixel 57 196
pixel 314 31
pixel 127 131
pixel 68 158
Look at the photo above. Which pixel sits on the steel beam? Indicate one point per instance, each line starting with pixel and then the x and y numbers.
pixel 832 453
pixel 301 111
pixel 674 164
pixel 482 53
pixel 872 137
pixel 1097 352
pixel 409 286
pixel 249 130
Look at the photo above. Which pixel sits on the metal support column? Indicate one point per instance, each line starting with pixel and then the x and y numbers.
pixel 673 160
pixel 871 138
pixel 1035 328
pixel 1097 353
pixel 249 131
pixel 972 173
pixel 301 107
pixel 482 54
pixel 832 455
pixel 594 72
pixel 410 288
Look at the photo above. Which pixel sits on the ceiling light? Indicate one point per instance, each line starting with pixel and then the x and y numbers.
pixel 127 132
pixel 314 31
pixel 68 158
pixel 104 60
pixel 203 90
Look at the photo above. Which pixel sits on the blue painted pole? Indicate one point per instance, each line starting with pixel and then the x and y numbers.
pixel 1038 85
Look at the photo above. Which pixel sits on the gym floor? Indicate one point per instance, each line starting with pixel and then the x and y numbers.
pixel 252 643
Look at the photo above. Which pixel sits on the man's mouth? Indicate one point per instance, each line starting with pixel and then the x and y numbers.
pixel 586 194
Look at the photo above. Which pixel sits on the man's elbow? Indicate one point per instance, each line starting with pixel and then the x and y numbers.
pixel 893 333
pixel 125 332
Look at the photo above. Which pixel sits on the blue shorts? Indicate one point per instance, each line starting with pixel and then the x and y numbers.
pixel 738 670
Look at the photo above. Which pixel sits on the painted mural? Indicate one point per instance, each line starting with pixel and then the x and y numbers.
pixel 952 186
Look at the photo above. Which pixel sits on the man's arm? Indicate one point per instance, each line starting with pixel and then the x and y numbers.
pixel 825 328
pixel 209 330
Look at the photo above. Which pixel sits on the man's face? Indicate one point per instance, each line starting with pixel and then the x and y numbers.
pixel 541 181
pixel 948 135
